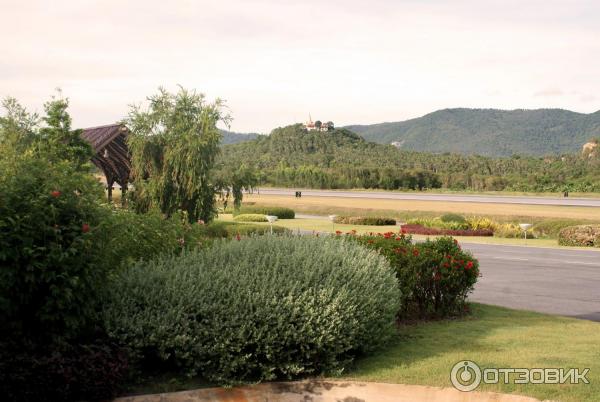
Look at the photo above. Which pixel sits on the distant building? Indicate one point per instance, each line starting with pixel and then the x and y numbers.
pixel 397 144
pixel 318 125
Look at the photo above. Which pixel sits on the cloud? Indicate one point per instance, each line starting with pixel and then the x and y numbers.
pixel 549 92
pixel 275 61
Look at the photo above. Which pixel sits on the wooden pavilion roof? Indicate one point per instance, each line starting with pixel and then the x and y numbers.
pixel 111 153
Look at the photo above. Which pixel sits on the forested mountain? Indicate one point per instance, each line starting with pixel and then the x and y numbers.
pixel 291 156
pixel 229 137
pixel 490 132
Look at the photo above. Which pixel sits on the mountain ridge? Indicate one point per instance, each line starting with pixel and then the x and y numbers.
pixel 488 131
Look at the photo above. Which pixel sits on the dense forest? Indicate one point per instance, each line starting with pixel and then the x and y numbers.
pixel 229 137
pixel 294 157
pixel 490 132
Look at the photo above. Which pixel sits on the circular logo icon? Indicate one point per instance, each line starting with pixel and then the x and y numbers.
pixel 465 375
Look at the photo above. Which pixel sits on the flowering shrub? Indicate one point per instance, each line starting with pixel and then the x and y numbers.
pixel 256 309
pixel 435 276
pixel 49 275
pixel 422 230
pixel 365 220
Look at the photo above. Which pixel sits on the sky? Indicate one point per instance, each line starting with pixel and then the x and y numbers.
pixel 276 61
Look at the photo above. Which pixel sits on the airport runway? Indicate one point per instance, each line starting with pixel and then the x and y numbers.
pixel 496 199
pixel 557 281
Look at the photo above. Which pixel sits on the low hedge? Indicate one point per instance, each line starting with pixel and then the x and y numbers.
pixel 257 309
pixel 435 277
pixel 581 235
pixel 365 220
pixel 422 230
pixel 280 212
pixel 250 218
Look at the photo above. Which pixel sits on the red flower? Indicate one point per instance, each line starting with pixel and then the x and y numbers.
pixel 55 193
pixel 338 232
pixel 469 265
pixel 416 252
pixel 238 237
pixel 85 228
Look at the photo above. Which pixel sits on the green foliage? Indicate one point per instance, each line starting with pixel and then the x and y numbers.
pixel 233 180
pixel 256 309
pixel 438 223
pixel 446 218
pixel 512 230
pixel 48 271
pixel 250 218
pixel 365 220
pixel 280 212
pixel 489 131
pixel 435 277
pixel 173 147
pixel 83 371
pixel 580 236
pixel 292 157
pixel 58 141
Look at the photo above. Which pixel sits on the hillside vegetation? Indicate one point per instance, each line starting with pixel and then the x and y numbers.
pixel 229 137
pixel 293 157
pixel 490 132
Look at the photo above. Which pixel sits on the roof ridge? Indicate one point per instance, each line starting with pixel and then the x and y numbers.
pixel 103 126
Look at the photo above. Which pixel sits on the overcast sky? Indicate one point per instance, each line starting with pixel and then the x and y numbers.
pixel 276 61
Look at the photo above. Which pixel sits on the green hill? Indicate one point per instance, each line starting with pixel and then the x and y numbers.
pixel 229 137
pixel 291 156
pixel 489 132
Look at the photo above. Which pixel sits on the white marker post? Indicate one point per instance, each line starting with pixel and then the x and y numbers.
pixel 524 227
pixel 271 219
pixel 332 219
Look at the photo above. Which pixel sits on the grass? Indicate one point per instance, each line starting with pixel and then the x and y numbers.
pixel 492 337
pixel 405 209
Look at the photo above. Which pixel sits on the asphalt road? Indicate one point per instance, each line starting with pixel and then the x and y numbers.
pixel 557 281
pixel 496 199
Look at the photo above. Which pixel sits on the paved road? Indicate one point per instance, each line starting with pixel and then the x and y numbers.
pixel 557 281
pixel 582 202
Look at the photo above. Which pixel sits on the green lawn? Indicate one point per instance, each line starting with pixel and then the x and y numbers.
pixel 492 337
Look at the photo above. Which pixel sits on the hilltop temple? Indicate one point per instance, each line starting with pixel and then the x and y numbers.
pixel 317 125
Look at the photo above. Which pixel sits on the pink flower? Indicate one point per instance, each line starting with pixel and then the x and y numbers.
pixel 238 237
pixel 55 193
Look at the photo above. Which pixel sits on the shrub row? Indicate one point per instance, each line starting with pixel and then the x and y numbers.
pixel 422 230
pixel 365 220
pixel 435 276
pixel 280 212
pixel 581 235
pixel 250 218
pixel 256 309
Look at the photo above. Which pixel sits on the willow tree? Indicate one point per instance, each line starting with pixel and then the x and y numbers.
pixel 173 145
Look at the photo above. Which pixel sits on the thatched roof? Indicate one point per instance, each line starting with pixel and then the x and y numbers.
pixel 111 152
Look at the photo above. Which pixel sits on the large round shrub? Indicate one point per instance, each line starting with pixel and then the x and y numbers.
pixel 257 309
pixel 581 235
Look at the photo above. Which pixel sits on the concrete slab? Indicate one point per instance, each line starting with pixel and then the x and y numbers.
pixel 328 391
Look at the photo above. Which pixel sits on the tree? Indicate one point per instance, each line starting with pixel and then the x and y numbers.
pixel 318 124
pixel 173 145
pixel 232 182
pixel 330 126
pixel 58 141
